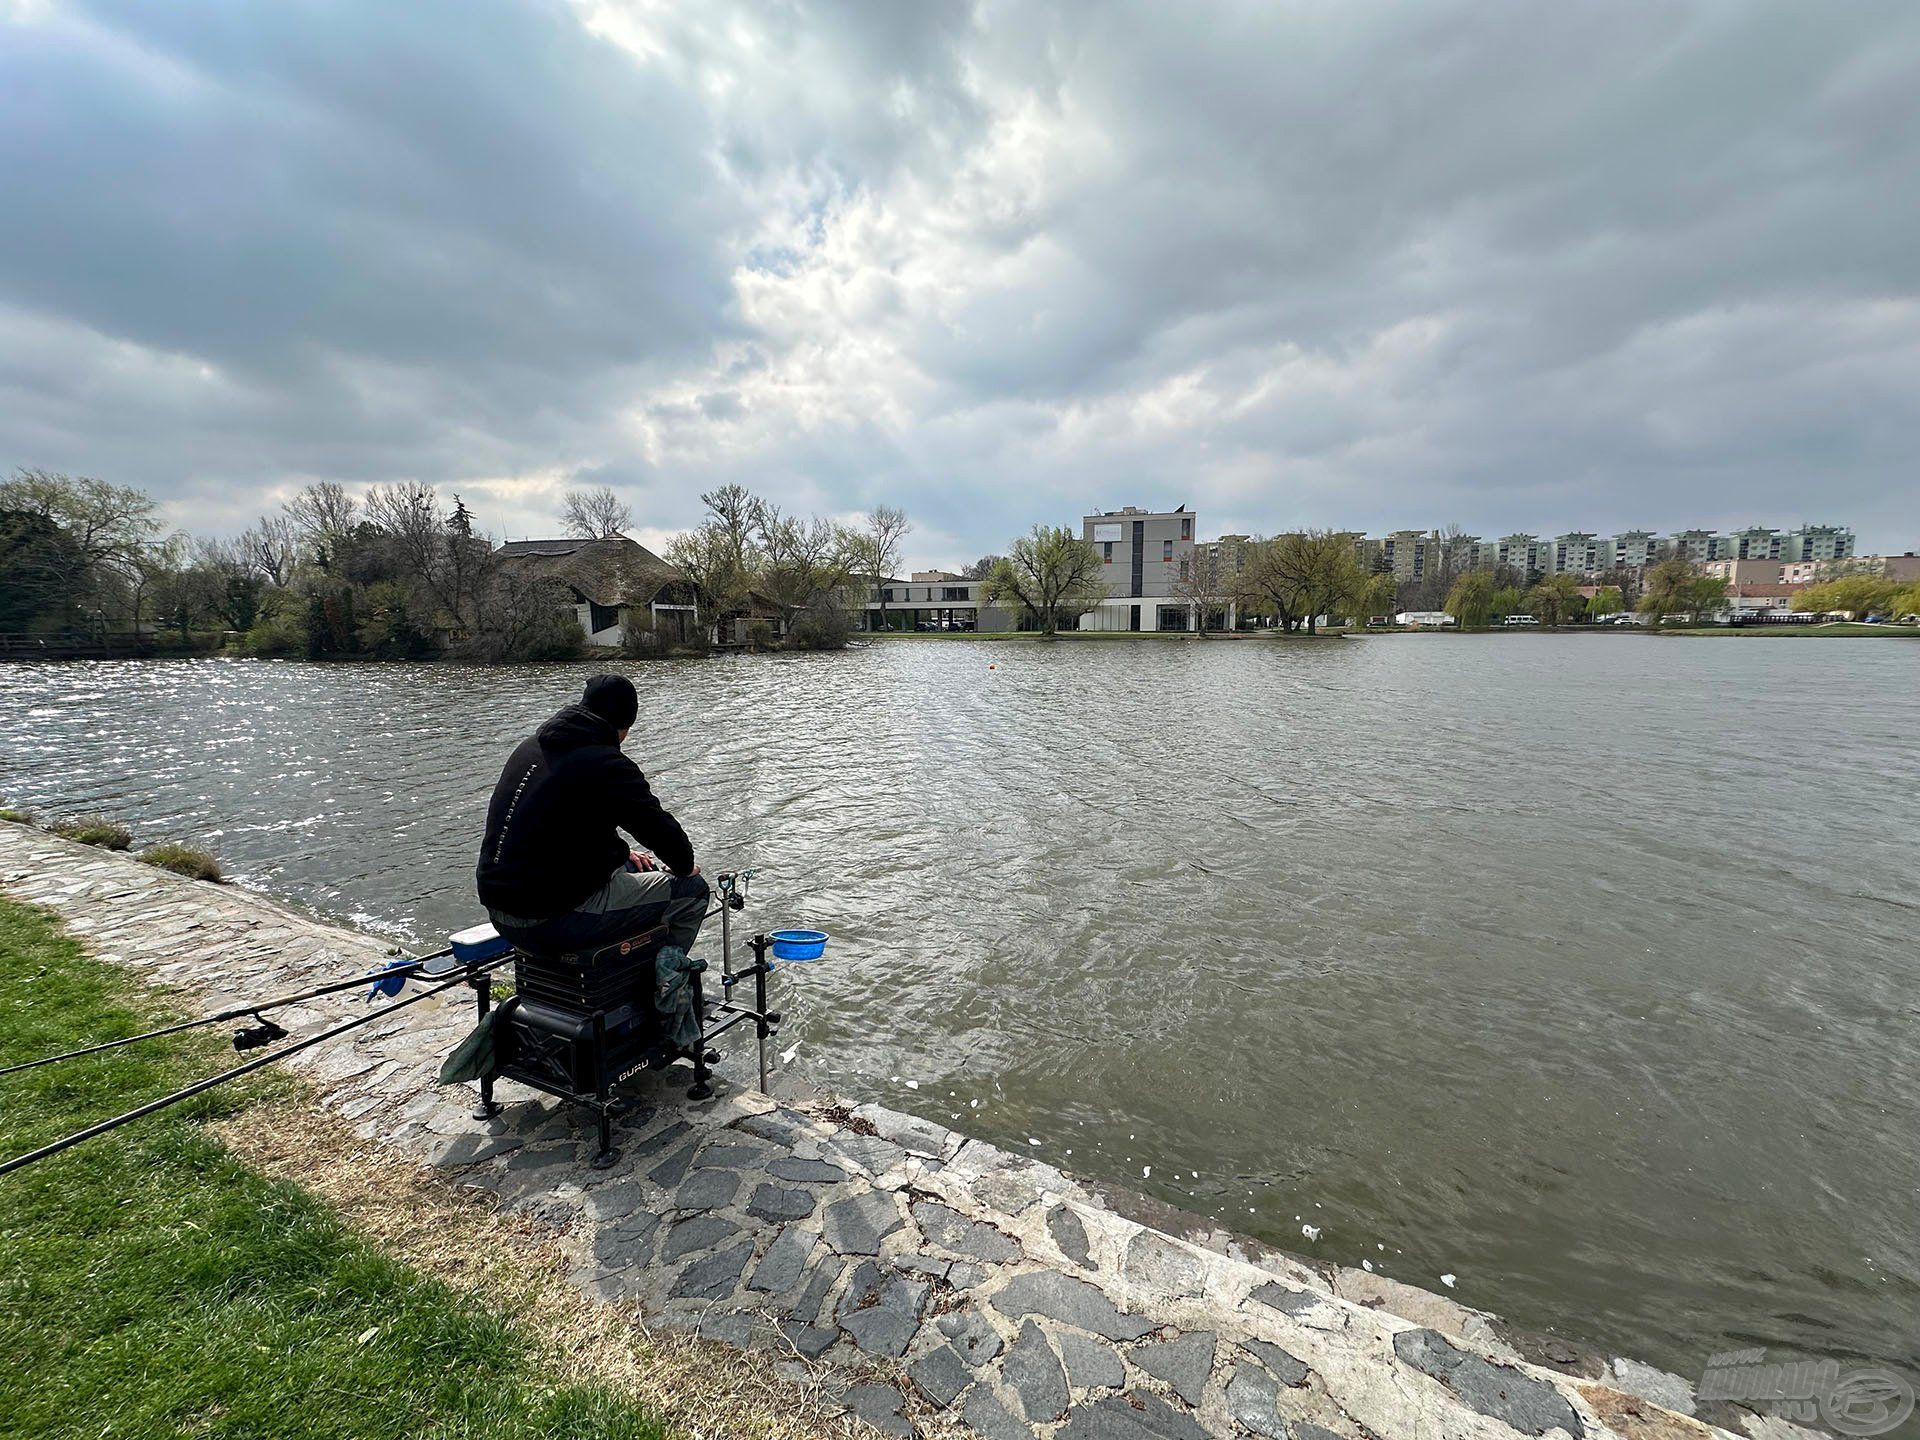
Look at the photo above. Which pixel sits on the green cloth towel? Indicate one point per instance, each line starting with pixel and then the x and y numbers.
pixel 472 1058
pixel 673 972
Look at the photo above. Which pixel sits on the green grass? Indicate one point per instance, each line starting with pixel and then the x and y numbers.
pixel 17 817
pixel 151 1285
pixel 188 860
pixel 1083 635
pixel 94 830
pixel 1837 628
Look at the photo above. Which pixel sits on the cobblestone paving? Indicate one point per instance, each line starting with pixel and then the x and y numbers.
pixel 947 1281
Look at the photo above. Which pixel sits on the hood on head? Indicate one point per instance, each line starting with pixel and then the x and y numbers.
pixel 575 727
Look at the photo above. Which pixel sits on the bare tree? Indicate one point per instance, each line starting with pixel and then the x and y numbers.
pixel 981 568
pixel 322 517
pixel 731 510
pixel 269 547
pixel 801 562
pixel 706 557
pixel 596 514
pixel 875 545
pixel 1206 582
pixel 519 615
pixel 449 565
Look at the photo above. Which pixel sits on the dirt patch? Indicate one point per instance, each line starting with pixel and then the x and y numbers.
pixel 516 1267
pixel 1638 1420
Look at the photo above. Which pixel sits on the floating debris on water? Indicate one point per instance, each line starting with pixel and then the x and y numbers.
pixel 1447 1280
pixel 1312 1232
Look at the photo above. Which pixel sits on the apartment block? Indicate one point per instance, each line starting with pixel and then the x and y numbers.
pixel 1634 549
pixel 1578 553
pixel 1229 550
pixel 1819 542
pixel 1699 545
pixel 1758 542
pixel 1403 555
pixel 1522 552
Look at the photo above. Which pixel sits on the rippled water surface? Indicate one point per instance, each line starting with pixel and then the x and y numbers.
pixel 1582 968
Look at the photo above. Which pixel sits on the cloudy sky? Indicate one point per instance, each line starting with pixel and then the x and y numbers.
pixel 1501 263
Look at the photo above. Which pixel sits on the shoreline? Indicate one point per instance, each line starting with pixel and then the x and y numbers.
pixel 1838 630
pixel 1062 1243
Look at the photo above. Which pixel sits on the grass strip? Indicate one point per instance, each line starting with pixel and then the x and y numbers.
pixel 153 1285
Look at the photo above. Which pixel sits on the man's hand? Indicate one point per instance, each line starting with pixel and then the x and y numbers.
pixel 642 861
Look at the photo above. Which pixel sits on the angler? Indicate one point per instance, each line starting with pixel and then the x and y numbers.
pixel 597 935
pixel 554 873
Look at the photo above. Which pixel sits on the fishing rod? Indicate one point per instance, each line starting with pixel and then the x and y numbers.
pixel 266 1032
pixel 244 1068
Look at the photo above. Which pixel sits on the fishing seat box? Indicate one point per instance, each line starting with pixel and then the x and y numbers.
pixel 548 1035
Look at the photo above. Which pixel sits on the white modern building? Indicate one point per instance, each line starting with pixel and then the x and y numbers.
pixel 1145 553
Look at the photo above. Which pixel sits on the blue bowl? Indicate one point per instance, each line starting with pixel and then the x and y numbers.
pixel 799 944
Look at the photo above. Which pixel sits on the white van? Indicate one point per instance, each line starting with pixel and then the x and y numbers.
pixel 1519 620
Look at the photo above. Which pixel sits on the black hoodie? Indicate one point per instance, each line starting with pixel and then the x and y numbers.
pixel 550 829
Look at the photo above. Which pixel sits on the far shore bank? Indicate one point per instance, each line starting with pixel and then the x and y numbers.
pixel 610 656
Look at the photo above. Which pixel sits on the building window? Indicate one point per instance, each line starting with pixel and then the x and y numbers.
pixel 1186 528
pixel 1106 551
pixel 954 592
pixel 1166 550
pixel 886 594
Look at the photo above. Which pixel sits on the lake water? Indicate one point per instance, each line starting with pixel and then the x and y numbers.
pixel 1582 968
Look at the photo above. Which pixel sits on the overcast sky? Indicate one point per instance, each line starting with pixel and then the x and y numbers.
pixel 1525 265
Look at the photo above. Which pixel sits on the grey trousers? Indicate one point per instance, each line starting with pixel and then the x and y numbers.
pixel 630 902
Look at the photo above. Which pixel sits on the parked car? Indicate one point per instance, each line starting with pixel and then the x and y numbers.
pixel 1519 620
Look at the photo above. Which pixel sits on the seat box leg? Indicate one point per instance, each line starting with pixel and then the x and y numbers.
pixel 602 1094
pixel 483 998
pixel 606 1156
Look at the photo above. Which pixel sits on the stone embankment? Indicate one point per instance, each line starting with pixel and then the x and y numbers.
pixel 944 1284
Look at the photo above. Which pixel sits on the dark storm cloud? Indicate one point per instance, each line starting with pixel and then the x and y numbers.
pixel 1375 265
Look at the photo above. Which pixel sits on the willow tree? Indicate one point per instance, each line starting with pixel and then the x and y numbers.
pixel 1675 588
pixel 1375 596
pixel 1857 595
pixel 1305 575
pixel 1470 601
pixel 1555 599
pixel 1051 574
